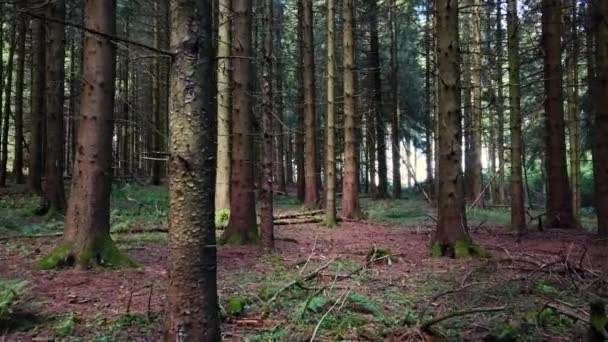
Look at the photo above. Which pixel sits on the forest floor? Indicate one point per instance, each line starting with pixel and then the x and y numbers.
pixel 371 280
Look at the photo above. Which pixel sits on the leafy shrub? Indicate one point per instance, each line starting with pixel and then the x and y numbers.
pixel 11 292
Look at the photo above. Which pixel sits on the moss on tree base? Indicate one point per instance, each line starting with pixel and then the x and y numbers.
pixel 101 252
pixel 239 239
pixel 330 223
pixel 460 249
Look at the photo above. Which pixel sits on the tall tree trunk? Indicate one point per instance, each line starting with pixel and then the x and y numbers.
pixel 266 218
pixel 222 181
pixel 396 159
pixel 377 101
pixel 559 198
pixel 53 189
pixel 19 82
pixel 351 208
pixel 428 86
pixel 330 144
pixel 37 106
pixel 192 309
pixel 127 132
pixel 2 85
pixel 451 222
pixel 518 220
pixel 7 106
pixel 311 194
pixel 500 111
pixel 600 122
pixel 160 90
pixel 282 139
pixel 476 129
pixel 571 38
pixel 86 237
pixel 242 227
pixel 299 135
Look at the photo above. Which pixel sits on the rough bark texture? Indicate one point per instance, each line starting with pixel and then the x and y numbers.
pixel 222 181
pixel 377 106
pixel 19 82
pixel 192 309
pixel 451 222
pixel 8 87
pixel 311 193
pixel 600 131
pixel 518 220
pixel 330 144
pixel 428 86
pixel 559 198
pixel 37 113
pixel 242 227
pixel 266 207
pixel 53 187
pixel 476 128
pixel 351 208
pixel 299 135
pixel 281 135
pixel 500 112
pixel 86 237
pixel 396 159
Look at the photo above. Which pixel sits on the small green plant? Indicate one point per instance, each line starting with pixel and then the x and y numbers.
pixel 11 292
pixel 235 306
pixel 65 325
pixel 222 218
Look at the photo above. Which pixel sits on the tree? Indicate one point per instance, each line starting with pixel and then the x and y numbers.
pixel 193 309
pixel 37 107
pixel 451 222
pixel 311 193
pixel 396 159
pixel 53 189
pixel 518 220
pixel 600 121
pixel 378 113
pixel 299 135
pixel 500 194
pixel 86 236
pixel 559 199
pixel 222 182
pixel 266 207
pixel 476 128
pixel 19 83
pixel 7 106
pixel 161 93
pixel 242 226
pixel 351 208
pixel 330 146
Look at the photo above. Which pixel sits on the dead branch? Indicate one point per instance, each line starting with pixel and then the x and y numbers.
pixel 459 313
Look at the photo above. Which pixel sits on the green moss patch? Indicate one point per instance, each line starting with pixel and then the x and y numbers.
pixel 102 252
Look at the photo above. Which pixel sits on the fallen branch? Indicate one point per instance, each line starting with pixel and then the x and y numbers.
pixel 459 313
pixel 298 214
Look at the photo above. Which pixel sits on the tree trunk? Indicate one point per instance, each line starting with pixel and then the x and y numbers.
pixel 242 227
pixel 428 103
pixel 127 133
pixel 500 111
pixel 351 208
pixel 518 220
pixel 571 38
pixel 330 144
pixel 600 122
pixel 266 217
pixel 86 238
pixel 476 129
pixel 19 82
pixel 559 198
pixel 282 139
pixel 161 94
pixel 467 97
pixel 54 189
pixel 396 159
pixel 192 309
pixel 37 106
pixel 7 106
pixel 311 194
pixel 377 100
pixel 451 222
pixel 222 181
pixel 299 135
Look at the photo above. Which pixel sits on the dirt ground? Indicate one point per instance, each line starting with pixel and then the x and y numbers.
pixel 100 296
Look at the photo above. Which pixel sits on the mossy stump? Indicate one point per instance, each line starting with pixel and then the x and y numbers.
pixel 100 252
pixel 458 250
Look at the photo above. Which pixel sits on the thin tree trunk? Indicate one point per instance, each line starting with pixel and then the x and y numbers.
pixel 242 227
pixel 451 221
pixel 299 135
pixel 500 112
pixel 377 101
pixel 266 215
pixel 222 181
pixel 126 150
pixel 559 198
pixel 160 90
pixel 37 107
pixel 7 106
pixel 282 139
pixel 395 123
pixel 192 309
pixel 476 129
pixel 19 82
pixel 518 220
pixel 330 145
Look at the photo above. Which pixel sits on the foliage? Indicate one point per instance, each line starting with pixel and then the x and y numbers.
pixel 65 325
pixel 222 218
pixel 11 292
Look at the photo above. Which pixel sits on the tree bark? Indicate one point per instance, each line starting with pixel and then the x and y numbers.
pixel 54 189
pixel 19 82
pixel 282 138
pixel 600 123
pixel 395 122
pixel 37 106
pixel 330 144
pixel 242 227
pixel 7 106
pixel 382 190
pixel 451 222
pixel 518 220
pixel 222 181
pixel 476 129
pixel 311 194
pixel 192 309
pixel 559 198
pixel 299 135
pixel 86 237
pixel 500 111
pixel 160 89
